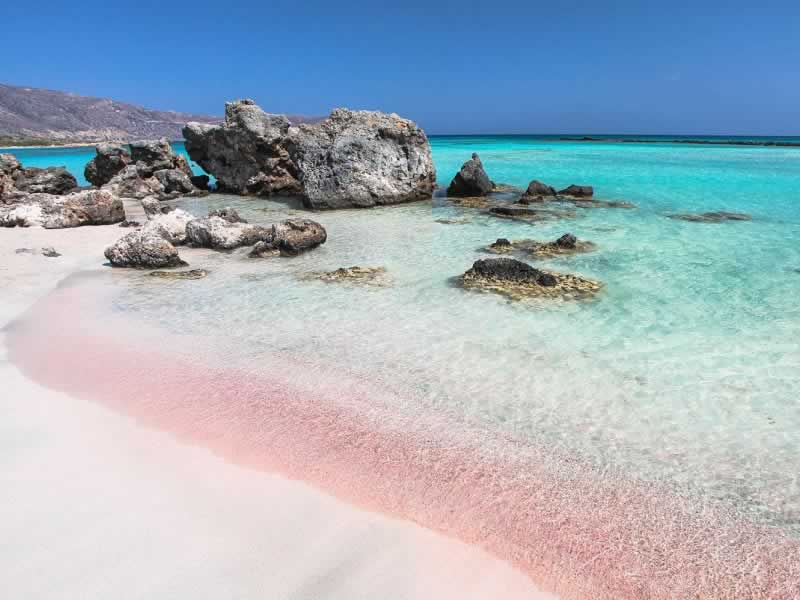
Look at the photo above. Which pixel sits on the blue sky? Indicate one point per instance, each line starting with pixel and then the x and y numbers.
pixel 506 66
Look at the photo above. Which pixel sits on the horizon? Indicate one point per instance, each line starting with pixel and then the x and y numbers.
pixel 508 69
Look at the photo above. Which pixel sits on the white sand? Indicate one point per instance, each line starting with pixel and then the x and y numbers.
pixel 92 505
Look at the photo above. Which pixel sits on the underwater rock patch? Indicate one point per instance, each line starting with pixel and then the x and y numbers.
pixel 520 281
pixel 191 274
pixel 369 276
pixel 711 217
pixel 567 244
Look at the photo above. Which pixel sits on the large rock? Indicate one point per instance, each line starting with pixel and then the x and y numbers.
pixel 150 156
pixel 471 180
pixel 351 159
pixel 110 159
pixel 172 224
pixel 537 192
pixel 9 164
pixel 248 154
pixel 87 207
pixel 128 183
pixel 362 159
pixel 52 180
pixel 578 191
pixel 216 232
pixel 509 269
pixel 145 248
pixel 290 238
pixel 174 181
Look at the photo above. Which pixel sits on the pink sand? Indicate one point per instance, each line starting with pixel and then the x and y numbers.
pixel 575 531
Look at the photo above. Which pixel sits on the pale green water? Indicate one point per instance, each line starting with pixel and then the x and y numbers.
pixel 686 368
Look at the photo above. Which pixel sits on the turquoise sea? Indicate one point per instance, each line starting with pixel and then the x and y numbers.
pixel 685 370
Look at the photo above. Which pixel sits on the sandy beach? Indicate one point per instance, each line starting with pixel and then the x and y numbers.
pixel 97 505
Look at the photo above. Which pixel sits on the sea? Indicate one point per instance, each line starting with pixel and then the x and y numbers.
pixel 658 421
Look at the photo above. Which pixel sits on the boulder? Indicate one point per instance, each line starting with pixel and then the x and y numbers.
pixel 174 181
pixel 173 224
pixel 145 248
pixel 351 159
pixel 471 180
pixel 87 207
pixel 201 182
pixel 362 159
pixel 567 241
pixel 9 164
pixel 216 232
pixel 227 213
pixel 290 238
pixel 109 160
pixel 52 180
pixel 510 269
pixel 129 184
pixel 578 191
pixel 537 188
pixel 150 156
pixel 250 153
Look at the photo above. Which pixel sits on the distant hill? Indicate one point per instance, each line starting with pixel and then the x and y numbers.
pixel 34 114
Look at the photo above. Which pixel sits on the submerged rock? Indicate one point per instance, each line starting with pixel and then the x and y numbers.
pixel 227 213
pixel 565 245
pixel 290 238
pixel 368 276
pixel 577 191
pixel 471 180
pixel 109 160
pixel 192 274
pixel 50 252
pixel 712 217
pixel 216 232
pixel 87 207
pixel 518 280
pixel 144 248
pixel 351 159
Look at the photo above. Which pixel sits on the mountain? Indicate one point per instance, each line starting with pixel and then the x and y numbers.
pixel 52 116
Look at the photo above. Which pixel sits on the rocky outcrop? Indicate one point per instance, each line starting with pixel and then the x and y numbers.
pixel 471 180
pixel 216 232
pixel 291 237
pixel 51 180
pixel 578 191
pixel 538 189
pixel 172 225
pixel 109 160
pixel 518 280
pixel 145 248
pixel 150 156
pixel 87 207
pixel 567 244
pixel 351 159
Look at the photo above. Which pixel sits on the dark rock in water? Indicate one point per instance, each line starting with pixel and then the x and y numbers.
pixel 201 182
pixel 216 232
pixel 50 252
pixel 471 180
pixel 712 217
pixel 291 237
pixel 519 280
pixel 509 269
pixel 351 159
pixel 144 248
pixel 24 251
pixel 501 242
pixel 537 188
pixel 52 180
pixel 127 223
pixel 512 211
pixel 227 213
pixel 192 274
pixel 578 191
pixel 87 207
pixel 567 241
pixel 110 159
pixel 264 250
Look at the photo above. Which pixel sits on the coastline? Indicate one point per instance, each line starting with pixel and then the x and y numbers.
pixel 196 524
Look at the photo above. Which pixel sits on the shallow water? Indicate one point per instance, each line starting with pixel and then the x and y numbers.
pixel 685 370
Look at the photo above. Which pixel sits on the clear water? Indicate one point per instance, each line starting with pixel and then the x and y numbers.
pixel 686 369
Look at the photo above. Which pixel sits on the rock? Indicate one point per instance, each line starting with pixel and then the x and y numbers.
pixel 216 232
pixel 537 188
pixel 129 184
pixel 518 280
pixel 9 164
pixel 52 180
pixel 200 182
pixel 87 207
pixel 567 241
pixel 250 153
pixel 712 217
pixel 144 248
pixel 578 191
pixel 191 274
pixel 362 159
pixel 368 276
pixel 153 206
pixel 351 159
pixel 565 245
pixel 50 252
pixel 501 246
pixel 173 225
pixel 127 223
pixel 290 238
pixel 110 159
pixel 227 213
pixel 471 180
pixel 150 156
pixel 174 182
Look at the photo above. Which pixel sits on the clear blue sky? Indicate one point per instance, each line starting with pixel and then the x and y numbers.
pixel 503 66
